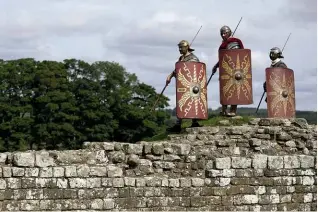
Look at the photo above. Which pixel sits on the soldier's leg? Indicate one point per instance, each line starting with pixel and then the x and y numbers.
pixel 232 110
pixel 195 123
pixel 179 121
pixel 224 108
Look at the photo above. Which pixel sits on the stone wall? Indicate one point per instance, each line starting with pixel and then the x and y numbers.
pixel 266 165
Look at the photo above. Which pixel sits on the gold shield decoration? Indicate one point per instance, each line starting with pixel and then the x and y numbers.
pixel 280 87
pixel 235 72
pixel 191 90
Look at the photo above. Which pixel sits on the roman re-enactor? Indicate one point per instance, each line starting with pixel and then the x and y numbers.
pixel 186 56
pixel 228 43
pixel 276 56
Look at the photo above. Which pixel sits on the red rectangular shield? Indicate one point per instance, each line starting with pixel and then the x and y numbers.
pixel 235 76
pixel 280 87
pixel 191 90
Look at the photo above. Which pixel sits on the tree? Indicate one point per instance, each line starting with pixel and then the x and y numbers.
pixel 54 108
pixel 59 105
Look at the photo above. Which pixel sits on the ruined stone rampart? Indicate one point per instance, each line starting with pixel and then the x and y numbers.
pixel 266 165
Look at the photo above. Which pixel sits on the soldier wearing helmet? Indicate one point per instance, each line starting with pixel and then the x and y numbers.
pixel 276 56
pixel 186 56
pixel 228 43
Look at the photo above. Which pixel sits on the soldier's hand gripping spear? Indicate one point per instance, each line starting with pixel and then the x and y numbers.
pixel 264 88
pixel 169 77
pixel 217 64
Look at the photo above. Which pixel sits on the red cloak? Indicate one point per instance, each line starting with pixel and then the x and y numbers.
pixel 230 40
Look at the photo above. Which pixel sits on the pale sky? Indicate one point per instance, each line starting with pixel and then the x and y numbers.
pixel 143 36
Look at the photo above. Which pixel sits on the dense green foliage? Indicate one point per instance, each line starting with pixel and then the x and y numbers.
pixel 59 105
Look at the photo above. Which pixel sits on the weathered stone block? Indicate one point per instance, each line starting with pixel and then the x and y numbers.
pixel 17 172
pixel 109 204
pixel 164 165
pixel 117 156
pixel 140 182
pixel 97 204
pixel 112 171
pixel 46 172
pixel 28 183
pixel 78 182
pixel 241 162
pixel 181 149
pixel 308 197
pixel 308 180
pixel 70 171
pixel 240 189
pixel 244 173
pixel 13 183
pixel 259 161
pixel 197 201
pixel 135 149
pixel 30 205
pixel 4 157
pixel 62 183
pixel 99 171
pixel 223 163
pixel 275 162
pixel 108 146
pixel 283 136
pixel 245 199
pixel 94 182
pixel 6 171
pixel 3 184
pixel 197 182
pixel 307 161
pixel 157 149
pixel 174 183
pixel 291 162
pixel 43 159
pixel 285 198
pixel 24 159
pixel 224 181
pixel 118 182
pixel 133 160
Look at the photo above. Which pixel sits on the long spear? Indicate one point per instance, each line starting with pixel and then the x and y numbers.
pixel 264 91
pixel 164 88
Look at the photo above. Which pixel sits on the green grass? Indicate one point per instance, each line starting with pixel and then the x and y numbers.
pixel 212 121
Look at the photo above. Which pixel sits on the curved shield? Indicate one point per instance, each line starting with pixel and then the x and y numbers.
pixel 280 87
pixel 191 89
pixel 235 76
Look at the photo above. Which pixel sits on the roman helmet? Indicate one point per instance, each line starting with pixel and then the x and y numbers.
pixel 275 53
pixel 227 30
pixel 185 43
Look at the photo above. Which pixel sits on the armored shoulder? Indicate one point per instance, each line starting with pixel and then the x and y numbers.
pixel 282 65
pixel 191 58
pixel 233 45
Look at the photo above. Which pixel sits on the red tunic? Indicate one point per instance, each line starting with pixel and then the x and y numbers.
pixel 230 40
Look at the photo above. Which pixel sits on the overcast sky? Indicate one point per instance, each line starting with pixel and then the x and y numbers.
pixel 143 36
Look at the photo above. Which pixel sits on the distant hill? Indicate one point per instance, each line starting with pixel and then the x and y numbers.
pixel 310 116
